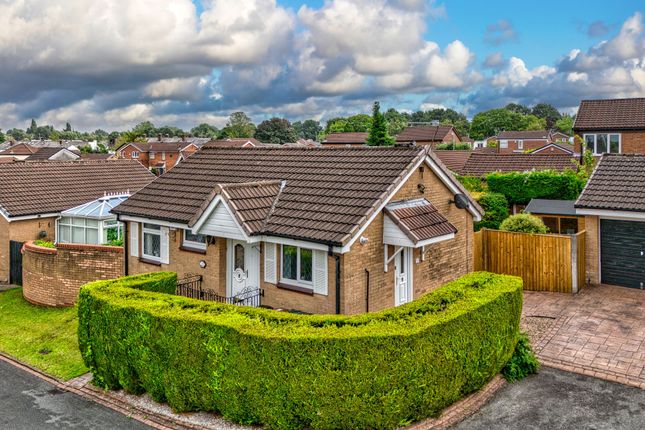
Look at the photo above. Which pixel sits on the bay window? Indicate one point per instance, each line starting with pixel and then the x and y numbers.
pixel 297 264
pixel 151 248
pixel 603 143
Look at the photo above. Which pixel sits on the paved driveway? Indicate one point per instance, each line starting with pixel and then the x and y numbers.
pixel 554 399
pixel 30 403
pixel 599 332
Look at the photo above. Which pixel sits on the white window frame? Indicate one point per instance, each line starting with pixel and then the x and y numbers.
pixel 520 144
pixel 297 282
pixel 152 155
pixel 85 227
pixel 147 230
pixel 135 154
pixel 200 246
pixel 503 144
pixel 595 142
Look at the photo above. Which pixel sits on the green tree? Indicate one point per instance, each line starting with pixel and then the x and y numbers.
pixel 17 134
pixel 308 129
pixel 276 130
pixel 378 135
pixel 100 134
pixel 32 127
pixel 524 223
pixel 491 122
pixel 532 122
pixel 146 129
pixel 547 112
pixel 170 131
pixel 565 124
pixel 68 126
pixel 238 125
pixel 396 121
pixel 129 137
pixel 518 108
pixel 358 123
pixel 205 130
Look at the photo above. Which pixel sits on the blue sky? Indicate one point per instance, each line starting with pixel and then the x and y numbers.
pixel 182 62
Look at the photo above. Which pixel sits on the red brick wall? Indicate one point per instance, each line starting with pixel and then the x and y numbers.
pixel 21 231
pixel 52 277
pixel 143 156
pixel 529 145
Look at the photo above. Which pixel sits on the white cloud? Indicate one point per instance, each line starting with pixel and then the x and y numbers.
pixel 517 74
pixel 176 88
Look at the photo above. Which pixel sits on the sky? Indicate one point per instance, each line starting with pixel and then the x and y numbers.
pixel 114 63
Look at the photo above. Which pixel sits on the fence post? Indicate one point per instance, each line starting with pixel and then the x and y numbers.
pixel 574 263
pixel 484 249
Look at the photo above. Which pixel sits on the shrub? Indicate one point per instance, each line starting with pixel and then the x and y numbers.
pixel 522 363
pixel 520 188
pixel 524 223
pixel 453 146
pixel 495 210
pixel 473 183
pixel 257 366
pixel 44 243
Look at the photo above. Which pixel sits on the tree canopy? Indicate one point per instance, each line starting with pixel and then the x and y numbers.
pixel 378 135
pixel 238 125
pixel 308 129
pixel 489 123
pixel 276 130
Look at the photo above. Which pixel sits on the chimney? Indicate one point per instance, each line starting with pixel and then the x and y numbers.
pixel 159 137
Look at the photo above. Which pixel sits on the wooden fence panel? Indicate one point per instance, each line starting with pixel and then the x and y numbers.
pixel 544 261
pixel 580 241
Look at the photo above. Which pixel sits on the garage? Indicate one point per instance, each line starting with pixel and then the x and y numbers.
pixel 622 253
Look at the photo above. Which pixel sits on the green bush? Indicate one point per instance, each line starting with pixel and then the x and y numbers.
pixel 44 243
pixel 520 188
pixel 453 146
pixel 473 183
pixel 522 363
pixel 378 370
pixel 524 223
pixel 495 210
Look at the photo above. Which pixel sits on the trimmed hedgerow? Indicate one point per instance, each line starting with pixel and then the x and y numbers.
pixel 495 208
pixel 520 188
pixel 257 366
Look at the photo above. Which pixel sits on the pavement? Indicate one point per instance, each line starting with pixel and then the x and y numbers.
pixel 30 403
pixel 598 332
pixel 555 399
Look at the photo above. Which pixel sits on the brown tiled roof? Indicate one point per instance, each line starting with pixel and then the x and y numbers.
pixel 523 134
pixel 46 187
pixel 419 219
pixel 552 147
pixel 19 149
pixel 617 183
pixel 45 153
pixel 424 133
pixel 608 115
pixel 95 156
pixel 346 138
pixel 252 203
pixel 454 160
pixel 480 164
pixel 236 142
pixel 327 196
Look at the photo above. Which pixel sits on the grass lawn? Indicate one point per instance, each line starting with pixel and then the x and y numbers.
pixel 42 337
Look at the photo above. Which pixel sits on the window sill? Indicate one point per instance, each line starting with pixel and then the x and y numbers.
pixel 195 250
pixel 147 261
pixel 295 288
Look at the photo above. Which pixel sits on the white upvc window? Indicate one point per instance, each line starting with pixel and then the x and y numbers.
pixel 603 143
pixel 296 265
pixel 163 155
pixel 503 144
pixel 152 155
pixel 151 248
pixel 520 144
pixel 135 154
pixel 194 241
pixel 78 230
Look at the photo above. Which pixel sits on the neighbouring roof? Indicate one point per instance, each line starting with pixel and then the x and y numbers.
pixel 613 114
pixel 198 141
pixel 454 160
pixel 617 183
pixel 237 142
pixel 45 153
pixel 424 133
pixel 326 197
pixel 480 164
pixel 37 143
pixel 552 147
pixel 95 156
pixel 97 209
pixel 419 220
pixel 551 207
pixel 18 149
pixel 523 134
pixel 159 146
pixel 45 187
pixel 346 138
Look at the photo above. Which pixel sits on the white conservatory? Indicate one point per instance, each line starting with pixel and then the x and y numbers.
pixel 91 223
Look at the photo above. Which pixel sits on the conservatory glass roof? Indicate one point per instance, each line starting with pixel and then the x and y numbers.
pixel 97 209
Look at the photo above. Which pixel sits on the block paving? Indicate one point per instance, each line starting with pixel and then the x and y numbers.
pixel 598 332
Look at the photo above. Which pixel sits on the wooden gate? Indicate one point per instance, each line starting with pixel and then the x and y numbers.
pixel 15 262
pixel 546 262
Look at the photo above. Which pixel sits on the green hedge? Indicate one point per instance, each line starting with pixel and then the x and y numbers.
pixel 520 188
pixel 257 366
pixel 495 208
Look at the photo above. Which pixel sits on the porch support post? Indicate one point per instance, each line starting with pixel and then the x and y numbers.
pixel 574 263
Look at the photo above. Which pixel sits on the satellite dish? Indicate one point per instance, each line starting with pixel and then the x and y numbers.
pixel 461 201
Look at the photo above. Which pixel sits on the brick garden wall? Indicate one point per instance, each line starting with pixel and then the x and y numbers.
pixel 52 277
pixel 21 231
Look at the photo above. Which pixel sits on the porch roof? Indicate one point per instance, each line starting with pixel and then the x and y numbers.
pixel 419 220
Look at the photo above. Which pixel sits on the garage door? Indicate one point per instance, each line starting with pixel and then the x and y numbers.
pixel 622 253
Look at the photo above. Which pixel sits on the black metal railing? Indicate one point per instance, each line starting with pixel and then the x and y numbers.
pixel 191 286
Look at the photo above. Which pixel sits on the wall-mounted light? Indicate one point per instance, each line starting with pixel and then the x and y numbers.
pixel 202 264
pixel 363 240
pixel 421 188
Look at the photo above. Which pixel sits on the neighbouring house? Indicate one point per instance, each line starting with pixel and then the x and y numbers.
pixel 72 145
pixel 18 151
pixel 34 194
pixel 454 160
pixel 345 140
pixel 197 141
pixel 558 148
pixel 614 126
pixel 317 230
pixel 613 204
pixel 514 141
pixel 158 157
pixel 558 215
pixel 483 163
pixel 429 135
pixel 53 154
pixel 237 142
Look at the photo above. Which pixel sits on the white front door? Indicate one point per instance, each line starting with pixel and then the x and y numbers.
pixel 244 267
pixel 403 277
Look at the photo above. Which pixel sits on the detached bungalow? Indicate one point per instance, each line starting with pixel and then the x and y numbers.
pixel 429 135
pixel 321 231
pixel 33 196
pixel 613 203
